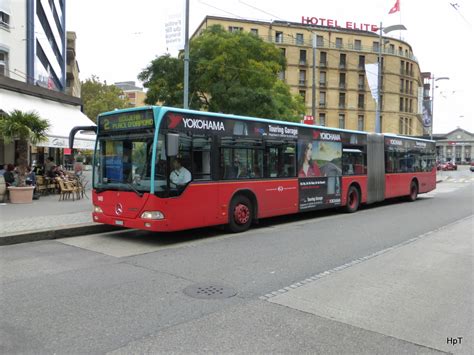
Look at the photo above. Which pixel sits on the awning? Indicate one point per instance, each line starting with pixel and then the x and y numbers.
pixel 62 118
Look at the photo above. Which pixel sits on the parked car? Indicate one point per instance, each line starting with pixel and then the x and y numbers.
pixel 471 167
pixel 450 165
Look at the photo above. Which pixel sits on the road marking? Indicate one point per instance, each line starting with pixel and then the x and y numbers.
pixel 356 261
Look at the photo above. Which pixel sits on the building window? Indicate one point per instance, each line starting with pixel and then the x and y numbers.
pixel 357 44
pixel 362 62
pixel 322 99
pixel 4 63
pixel 391 49
pixel 342 80
pixel 361 82
pixel 281 75
pixel 254 31
pixel 401 104
pixel 302 77
pixel 323 59
pixel 411 105
pixel 338 42
pixel 319 41
pixel 299 39
pixel 360 122
pixel 342 100
pixel 4 20
pixel 303 95
pixel 400 125
pixel 402 85
pixel 400 51
pixel 235 29
pixel 375 47
pixel 407 86
pixel 406 104
pixel 342 60
pixel 322 119
pixel 402 67
pixel 322 78
pixel 360 101
pixel 278 37
pixel 342 120
pixel 303 56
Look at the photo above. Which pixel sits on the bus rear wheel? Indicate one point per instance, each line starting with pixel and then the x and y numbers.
pixel 240 214
pixel 353 199
pixel 413 191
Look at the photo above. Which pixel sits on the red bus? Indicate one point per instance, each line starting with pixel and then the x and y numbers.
pixel 168 169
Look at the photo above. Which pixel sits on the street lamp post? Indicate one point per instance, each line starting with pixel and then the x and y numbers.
pixel 378 128
pixel 433 80
pixel 186 58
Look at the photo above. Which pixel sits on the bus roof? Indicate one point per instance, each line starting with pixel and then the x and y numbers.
pixel 162 110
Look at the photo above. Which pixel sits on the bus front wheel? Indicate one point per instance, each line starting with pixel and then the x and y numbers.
pixel 353 199
pixel 240 214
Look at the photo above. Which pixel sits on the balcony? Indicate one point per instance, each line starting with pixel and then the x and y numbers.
pixel 303 62
pixel 302 82
pixel 322 84
pixel 322 104
pixel 361 86
pixel 342 65
pixel 323 64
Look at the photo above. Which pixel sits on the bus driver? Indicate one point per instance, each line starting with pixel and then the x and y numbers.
pixel 180 176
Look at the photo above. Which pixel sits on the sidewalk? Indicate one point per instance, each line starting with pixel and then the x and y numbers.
pixel 47 218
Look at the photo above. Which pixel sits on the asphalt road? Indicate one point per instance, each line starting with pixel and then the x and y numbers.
pixel 124 292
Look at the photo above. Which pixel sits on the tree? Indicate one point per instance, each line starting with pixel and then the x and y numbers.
pixel 230 72
pixel 99 97
pixel 26 127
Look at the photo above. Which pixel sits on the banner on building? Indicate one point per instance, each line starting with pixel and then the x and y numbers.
pixel 372 72
pixel 427 114
pixel 420 100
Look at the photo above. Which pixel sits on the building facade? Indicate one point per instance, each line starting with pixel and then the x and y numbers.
pixel 33 76
pixel 455 146
pixel 33 41
pixel 343 98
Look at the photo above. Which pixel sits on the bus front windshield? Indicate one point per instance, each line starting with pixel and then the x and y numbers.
pixel 123 161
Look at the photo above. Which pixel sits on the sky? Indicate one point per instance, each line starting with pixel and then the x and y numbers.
pixel 116 39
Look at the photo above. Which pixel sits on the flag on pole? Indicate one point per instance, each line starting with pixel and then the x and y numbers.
pixel 395 7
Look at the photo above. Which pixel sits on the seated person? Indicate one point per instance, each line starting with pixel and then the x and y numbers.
pixel 9 175
pixel 180 176
pixel 235 170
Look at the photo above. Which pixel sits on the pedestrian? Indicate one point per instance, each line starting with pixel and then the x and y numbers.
pixel 3 169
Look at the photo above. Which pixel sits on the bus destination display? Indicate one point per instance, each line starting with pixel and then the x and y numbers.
pixel 127 121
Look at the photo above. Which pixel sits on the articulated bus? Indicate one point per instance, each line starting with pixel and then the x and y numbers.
pixel 168 169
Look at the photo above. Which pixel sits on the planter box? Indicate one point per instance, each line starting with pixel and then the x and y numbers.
pixel 21 194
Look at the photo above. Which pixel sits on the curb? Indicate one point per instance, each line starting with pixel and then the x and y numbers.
pixel 62 232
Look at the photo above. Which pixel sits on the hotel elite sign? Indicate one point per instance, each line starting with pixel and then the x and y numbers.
pixel 350 25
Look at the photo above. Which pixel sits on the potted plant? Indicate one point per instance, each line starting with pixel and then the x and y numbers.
pixel 25 127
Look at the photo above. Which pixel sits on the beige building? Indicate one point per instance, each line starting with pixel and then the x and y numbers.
pixel 73 83
pixel 134 94
pixel 343 97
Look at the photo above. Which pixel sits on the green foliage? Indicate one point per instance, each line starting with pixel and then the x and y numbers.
pixel 230 72
pixel 99 97
pixel 26 127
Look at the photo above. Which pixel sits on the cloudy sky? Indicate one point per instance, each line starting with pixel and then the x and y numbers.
pixel 118 38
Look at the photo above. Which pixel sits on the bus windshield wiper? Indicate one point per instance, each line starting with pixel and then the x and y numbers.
pixel 128 184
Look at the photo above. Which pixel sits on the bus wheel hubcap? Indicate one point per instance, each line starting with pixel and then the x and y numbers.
pixel 241 214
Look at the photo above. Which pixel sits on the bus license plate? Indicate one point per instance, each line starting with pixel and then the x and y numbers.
pixel 119 223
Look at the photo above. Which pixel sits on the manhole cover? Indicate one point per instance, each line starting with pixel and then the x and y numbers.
pixel 209 291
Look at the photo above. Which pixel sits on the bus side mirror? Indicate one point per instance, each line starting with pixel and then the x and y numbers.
pixel 172 144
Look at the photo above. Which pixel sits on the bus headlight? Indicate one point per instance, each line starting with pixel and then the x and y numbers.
pixel 152 215
pixel 97 209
